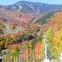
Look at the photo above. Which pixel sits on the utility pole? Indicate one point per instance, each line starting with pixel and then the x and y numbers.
pixel 45 49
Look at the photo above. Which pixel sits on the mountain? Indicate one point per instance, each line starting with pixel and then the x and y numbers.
pixel 34 8
pixel 25 12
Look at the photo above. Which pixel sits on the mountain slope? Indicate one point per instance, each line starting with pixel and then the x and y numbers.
pixel 33 7
pixel 25 12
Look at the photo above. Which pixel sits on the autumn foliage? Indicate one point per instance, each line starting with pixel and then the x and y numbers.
pixel 25 53
pixel 37 50
pixel 29 39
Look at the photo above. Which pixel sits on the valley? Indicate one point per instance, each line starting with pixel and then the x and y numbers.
pixel 22 29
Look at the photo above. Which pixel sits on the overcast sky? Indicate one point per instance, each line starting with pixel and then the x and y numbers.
pixel 9 2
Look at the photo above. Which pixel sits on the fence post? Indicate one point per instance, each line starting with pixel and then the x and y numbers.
pixel 3 56
pixel 33 57
pixel 19 57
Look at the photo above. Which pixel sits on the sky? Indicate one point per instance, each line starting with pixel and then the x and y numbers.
pixel 9 2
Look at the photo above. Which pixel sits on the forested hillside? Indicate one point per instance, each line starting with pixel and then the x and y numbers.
pixel 23 26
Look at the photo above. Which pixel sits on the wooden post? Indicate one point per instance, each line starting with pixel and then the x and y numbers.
pixel 5 58
pixel 16 58
pixel 19 58
pixel 33 57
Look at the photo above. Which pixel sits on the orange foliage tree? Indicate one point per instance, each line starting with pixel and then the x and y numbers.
pixel 37 50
